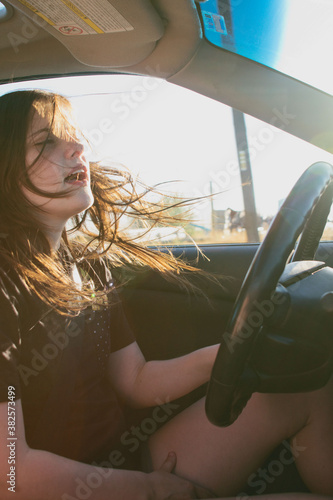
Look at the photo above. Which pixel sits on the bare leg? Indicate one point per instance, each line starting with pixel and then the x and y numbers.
pixel 222 459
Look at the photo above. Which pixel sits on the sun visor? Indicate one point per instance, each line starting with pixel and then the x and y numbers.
pixel 105 33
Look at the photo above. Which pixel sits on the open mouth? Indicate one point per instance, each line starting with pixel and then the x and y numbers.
pixel 76 177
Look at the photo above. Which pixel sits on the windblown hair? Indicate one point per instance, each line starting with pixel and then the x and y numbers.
pixel 23 244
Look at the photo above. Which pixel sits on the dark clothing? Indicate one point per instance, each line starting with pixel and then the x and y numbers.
pixel 58 368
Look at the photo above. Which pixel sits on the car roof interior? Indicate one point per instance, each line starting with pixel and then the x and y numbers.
pixel 163 38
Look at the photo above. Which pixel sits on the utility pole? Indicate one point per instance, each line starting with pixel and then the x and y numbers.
pixel 251 224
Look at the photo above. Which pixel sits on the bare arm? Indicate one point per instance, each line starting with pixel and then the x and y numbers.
pixel 144 384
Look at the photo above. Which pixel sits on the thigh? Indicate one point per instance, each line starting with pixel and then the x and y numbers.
pixel 222 459
pixel 315 461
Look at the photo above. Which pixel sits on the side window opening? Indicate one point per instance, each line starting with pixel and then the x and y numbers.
pixel 239 168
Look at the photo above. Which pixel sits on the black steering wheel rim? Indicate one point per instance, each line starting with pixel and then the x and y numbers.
pixel 225 397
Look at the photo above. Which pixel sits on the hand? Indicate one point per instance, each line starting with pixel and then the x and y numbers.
pixel 166 486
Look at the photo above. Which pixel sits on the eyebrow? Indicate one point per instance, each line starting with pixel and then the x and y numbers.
pixel 40 131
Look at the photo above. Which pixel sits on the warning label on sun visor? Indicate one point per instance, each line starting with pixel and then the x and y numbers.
pixel 79 17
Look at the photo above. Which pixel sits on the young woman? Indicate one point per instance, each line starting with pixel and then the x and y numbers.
pixel 68 355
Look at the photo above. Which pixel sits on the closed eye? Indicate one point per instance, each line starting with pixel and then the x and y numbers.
pixel 46 142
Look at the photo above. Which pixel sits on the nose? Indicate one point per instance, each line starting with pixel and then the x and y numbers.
pixel 74 149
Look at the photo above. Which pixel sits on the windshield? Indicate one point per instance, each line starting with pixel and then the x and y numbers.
pixel 291 36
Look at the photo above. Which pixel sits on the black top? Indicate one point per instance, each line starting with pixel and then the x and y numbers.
pixel 58 366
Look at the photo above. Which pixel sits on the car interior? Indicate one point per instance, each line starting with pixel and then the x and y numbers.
pixel 271 302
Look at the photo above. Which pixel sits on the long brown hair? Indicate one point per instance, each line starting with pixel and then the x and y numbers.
pixel 23 245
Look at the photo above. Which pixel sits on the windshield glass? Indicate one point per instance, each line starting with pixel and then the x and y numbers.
pixel 291 36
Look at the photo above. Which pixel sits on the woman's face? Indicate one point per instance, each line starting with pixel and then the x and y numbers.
pixel 62 167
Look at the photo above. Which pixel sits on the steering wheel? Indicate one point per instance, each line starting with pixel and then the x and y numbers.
pixel 247 361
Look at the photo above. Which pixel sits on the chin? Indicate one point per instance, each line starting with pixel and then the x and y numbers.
pixel 81 203
pixel 87 202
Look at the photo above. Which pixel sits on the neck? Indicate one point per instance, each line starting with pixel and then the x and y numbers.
pixel 54 239
pixel 53 232
pixel 53 235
